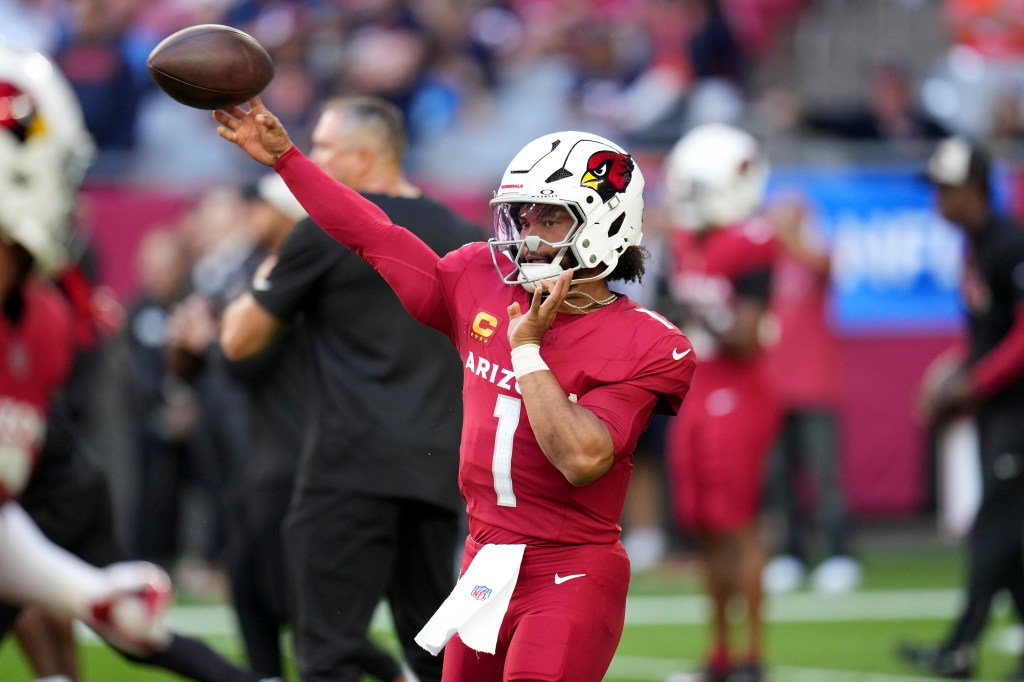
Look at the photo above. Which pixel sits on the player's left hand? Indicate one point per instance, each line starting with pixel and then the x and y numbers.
pixel 531 326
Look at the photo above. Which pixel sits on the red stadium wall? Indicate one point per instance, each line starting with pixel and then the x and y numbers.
pixel 886 460
pixel 116 219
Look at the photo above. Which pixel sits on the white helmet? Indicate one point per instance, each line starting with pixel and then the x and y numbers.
pixel 716 176
pixel 595 180
pixel 44 152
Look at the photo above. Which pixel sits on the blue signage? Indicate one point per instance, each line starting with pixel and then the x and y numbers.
pixel 896 263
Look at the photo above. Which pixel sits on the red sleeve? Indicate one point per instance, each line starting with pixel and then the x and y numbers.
pixel 625 410
pixel 662 381
pixel 408 264
pixel 1004 364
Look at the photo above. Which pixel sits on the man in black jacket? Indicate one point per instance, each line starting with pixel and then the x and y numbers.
pixel 987 380
pixel 375 508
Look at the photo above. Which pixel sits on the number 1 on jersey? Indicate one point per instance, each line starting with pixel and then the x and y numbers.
pixel 507 409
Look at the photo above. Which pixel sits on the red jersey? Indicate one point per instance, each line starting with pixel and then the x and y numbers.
pixel 35 360
pixel 718 446
pixel 622 362
pixel 803 362
pixel 715 269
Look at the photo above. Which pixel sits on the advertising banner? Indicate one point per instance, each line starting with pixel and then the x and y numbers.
pixel 896 262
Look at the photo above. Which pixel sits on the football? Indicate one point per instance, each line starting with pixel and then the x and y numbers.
pixel 210 66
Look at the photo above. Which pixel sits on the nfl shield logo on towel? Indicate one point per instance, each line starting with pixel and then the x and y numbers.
pixel 481 592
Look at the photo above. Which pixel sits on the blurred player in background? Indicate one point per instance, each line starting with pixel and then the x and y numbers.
pixel 375 508
pixel 803 366
pixel 48 345
pixel 724 255
pixel 985 379
pixel 43 157
pixel 543 589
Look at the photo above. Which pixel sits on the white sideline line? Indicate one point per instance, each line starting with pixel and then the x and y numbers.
pixel 808 607
pixel 657 669
pixel 879 605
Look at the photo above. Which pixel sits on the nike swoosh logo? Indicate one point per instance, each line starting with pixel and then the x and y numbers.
pixel 676 355
pixel 559 579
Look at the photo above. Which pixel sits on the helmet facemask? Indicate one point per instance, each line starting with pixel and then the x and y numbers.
pixel 522 251
pixel 587 176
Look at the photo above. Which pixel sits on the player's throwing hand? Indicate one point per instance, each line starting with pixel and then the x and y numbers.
pixel 257 131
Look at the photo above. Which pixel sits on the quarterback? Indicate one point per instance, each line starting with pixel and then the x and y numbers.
pixel 561 375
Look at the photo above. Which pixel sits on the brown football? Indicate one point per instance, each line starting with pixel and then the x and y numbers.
pixel 210 66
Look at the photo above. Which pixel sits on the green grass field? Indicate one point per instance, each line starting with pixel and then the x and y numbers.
pixel 911 590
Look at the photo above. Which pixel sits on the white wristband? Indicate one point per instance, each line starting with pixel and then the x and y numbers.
pixel 526 359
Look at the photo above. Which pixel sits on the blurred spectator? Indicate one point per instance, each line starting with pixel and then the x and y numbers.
pixel 644 78
pixel 219 242
pixel 757 23
pixel 718 445
pixel 94 53
pixel 986 380
pixel 276 383
pixel 185 162
pixel 981 77
pixel 461 69
pixel 164 408
pixel 803 366
pixel 890 111
pixel 223 262
pixel 384 54
pixel 284 28
pixel 465 43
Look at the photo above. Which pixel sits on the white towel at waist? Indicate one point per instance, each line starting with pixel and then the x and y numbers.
pixel 477 605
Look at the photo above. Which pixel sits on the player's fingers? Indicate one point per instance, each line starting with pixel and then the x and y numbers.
pixel 228 135
pixel 538 298
pixel 237 112
pixel 514 310
pixel 562 284
pixel 557 291
pixel 256 103
pixel 224 119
